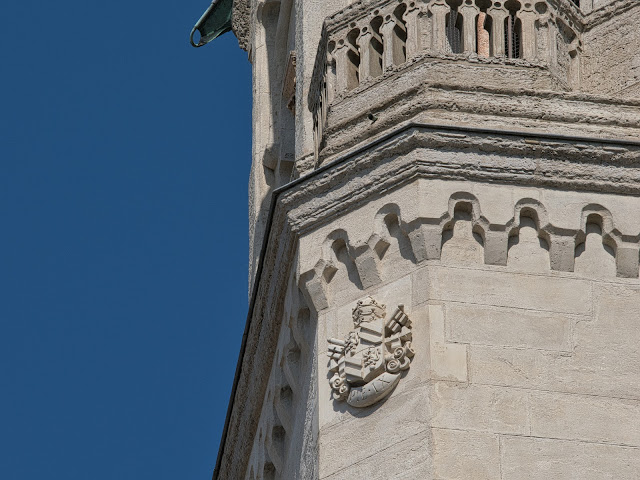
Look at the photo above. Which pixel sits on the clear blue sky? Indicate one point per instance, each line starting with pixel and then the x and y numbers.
pixel 124 161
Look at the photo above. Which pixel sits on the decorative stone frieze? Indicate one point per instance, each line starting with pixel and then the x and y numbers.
pixel 424 238
pixel 368 363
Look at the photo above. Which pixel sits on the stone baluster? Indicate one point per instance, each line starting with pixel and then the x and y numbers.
pixel 553 44
pixel 425 28
pixel 498 16
pixel 528 41
pixel 330 75
pixel 573 75
pixel 543 38
pixel 391 43
pixel 439 10
pixel 412 18
pixel 342 66
pixel 366 57
pixel 324 107
pixel 469 12
pixel 345 70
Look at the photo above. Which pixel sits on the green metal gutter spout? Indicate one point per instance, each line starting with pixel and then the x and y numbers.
pixel 215 21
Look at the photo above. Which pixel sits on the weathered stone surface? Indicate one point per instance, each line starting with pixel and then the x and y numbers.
pixel 480 408
pixel 587 418
pixel 448 361
pixel 480 325
pixel 372 431
pixel 405 460
pixel 532 292
pixel 464 455
pixel 542 459
pixel 604 361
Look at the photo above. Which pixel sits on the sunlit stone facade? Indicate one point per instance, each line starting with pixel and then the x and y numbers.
pixel 445 242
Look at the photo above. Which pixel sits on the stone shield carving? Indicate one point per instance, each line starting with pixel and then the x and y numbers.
pixel 368 363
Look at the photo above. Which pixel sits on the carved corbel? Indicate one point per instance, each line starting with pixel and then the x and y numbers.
pixel 313 285
pixel 426 239
pixel 627 260
pixel 366 262
pixel 496 245
pixel 562 246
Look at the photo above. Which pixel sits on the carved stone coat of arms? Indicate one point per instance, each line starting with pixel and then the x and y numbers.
pixel 368 363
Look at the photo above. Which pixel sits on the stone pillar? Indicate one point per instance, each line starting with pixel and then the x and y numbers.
pixel 573 74
pixel 389 41
pixel 330 78
pixel 469 14
pixel 529 38
pixel 344 67
pixel 439 9
pixel 414 33
pixel 364 44
pixel 498 16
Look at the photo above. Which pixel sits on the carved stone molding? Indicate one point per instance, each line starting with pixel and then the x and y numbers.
pixel 368 363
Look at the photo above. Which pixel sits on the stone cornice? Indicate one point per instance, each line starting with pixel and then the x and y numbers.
pixel 381 165
pixel 526 109
pixel 538 160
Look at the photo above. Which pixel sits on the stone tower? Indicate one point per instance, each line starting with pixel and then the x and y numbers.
pixel 445 238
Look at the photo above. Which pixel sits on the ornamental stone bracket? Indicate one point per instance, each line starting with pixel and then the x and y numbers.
pixel 368 363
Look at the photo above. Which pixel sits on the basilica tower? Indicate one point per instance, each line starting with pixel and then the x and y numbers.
pixel 445 240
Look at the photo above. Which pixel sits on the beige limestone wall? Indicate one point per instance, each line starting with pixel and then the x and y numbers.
pixel 521 371
pixel 611 57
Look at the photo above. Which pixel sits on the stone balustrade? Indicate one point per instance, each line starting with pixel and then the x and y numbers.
pixel 367 39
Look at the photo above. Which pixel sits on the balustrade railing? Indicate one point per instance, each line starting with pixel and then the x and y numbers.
pixel 368 38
